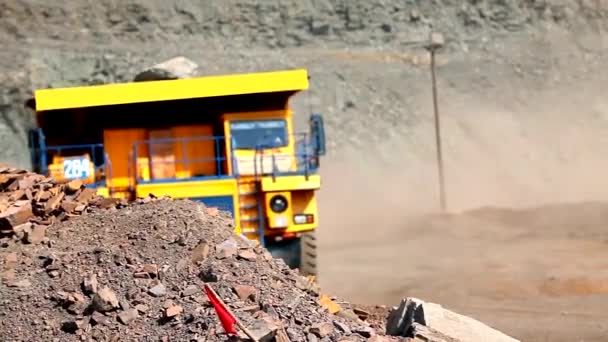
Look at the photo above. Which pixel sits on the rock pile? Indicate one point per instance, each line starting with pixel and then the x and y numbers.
pixel 138 273
pixel 142 271
pixel 30 202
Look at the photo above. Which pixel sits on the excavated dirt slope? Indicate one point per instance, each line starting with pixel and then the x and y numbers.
pixel 519 82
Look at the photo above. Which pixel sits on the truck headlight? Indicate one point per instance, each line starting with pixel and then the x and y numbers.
pixel 303 219
pixel 278 203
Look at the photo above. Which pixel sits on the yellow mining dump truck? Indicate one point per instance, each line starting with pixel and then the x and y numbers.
pixel 227 141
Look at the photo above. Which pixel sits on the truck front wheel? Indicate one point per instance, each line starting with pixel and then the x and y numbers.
pixel 300 253
pixel 308 254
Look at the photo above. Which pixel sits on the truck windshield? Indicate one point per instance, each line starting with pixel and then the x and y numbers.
pixel 253 134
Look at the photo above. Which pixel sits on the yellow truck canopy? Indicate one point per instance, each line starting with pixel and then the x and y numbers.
pixel 286 81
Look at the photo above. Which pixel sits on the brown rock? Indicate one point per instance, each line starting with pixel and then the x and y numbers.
pixel 124 304
pixel 14 186
pixel 267 256
pixel 157 290
pixel 43 196
pixel 190 290
pixel 52 264
pixel 21 203
pixel 348 314
pixel 4 180
pixel 173 311
pixel 263 330
pixel 17 195
pixel 151 269
pixel 168 303
pixel 141 275
pixel 245 292
pixel 8 275
pixel 105 300
pixel 322 329
pixel 23 283
pixel 141 308
pixel 23 228
pixel 78 297
pixel 343 327
pixel 128 316
pixel 77 308
pixel 106 202
pixel 250 308
pixel 365 331
pixel 29 195
pixel 54 203
pixel 54 190
pixel 99 318
pixel 15 215
pixel 73 186
pixel 69 206
pixel 89 284
pixel 362 314
pixel 10 259
pixel 200 252
pixel 36 235
pixel 247 254
pixel 63 297
pixel 212 211
pixel 27 182
pixel 282 336
pixel 86 195
pixel 202 300
pixel 227 249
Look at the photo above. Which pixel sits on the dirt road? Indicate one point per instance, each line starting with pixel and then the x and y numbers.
pixel 537 275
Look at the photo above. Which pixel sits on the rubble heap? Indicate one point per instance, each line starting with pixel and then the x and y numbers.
pixel 30 202
pixel 139 273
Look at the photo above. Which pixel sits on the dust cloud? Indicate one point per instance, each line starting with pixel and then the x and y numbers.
pixel 526 230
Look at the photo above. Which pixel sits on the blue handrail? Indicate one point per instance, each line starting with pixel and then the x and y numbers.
pixel 302 158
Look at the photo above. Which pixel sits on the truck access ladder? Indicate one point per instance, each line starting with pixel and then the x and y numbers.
pixel 251 203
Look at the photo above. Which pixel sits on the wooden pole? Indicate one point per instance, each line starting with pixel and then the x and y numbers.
pixel 436 42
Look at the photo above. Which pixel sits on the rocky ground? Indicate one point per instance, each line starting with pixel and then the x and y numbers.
pixel 77 267
pixel 524 120
pixel 536 274
pixel 140 270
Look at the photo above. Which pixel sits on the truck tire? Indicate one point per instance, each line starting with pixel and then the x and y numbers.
pixel 308 254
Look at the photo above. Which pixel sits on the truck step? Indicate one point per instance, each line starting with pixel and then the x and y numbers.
pixel 249 219
pixel 248 206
